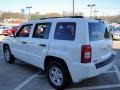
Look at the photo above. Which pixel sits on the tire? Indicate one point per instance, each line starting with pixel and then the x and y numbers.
pixel 9 58
pixel 57 75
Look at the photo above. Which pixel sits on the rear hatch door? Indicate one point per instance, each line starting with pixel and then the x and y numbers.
pixel 99 40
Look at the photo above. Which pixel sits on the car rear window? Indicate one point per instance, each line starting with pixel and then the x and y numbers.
pixel 97 31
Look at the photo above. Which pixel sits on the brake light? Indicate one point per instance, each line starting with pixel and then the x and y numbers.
pixel 86 54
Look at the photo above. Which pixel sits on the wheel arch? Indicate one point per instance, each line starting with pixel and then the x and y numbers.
pixel 49 59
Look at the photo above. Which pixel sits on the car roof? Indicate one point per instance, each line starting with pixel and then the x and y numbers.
pixel 65 19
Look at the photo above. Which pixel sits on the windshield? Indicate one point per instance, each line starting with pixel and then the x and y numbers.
pixel 97 31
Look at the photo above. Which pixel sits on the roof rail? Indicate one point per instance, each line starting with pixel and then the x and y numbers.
pixel 98 19
pixel 63 17
pixel 101 20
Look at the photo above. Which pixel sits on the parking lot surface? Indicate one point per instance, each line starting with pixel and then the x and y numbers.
pixel 22 76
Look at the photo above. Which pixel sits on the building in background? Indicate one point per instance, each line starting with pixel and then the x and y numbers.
pixel 14 21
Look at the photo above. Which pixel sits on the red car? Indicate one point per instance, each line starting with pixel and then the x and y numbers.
pixel 9 32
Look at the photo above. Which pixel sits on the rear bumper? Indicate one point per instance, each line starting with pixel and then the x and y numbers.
pixel 101 64
pixel 83 71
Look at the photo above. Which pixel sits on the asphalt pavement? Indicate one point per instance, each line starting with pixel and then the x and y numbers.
pixel 22 76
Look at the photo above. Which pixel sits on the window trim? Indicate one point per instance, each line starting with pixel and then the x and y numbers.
pixel 74 23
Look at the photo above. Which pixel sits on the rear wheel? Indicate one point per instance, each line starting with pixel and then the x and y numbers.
pixel 57 75
pixel 9 58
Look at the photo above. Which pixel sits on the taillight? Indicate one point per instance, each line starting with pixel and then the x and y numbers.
pixel 85 54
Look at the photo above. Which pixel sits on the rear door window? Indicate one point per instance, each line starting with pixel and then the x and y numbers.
pixel 97 31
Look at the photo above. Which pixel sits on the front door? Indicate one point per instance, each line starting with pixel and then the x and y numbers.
pixel 20 43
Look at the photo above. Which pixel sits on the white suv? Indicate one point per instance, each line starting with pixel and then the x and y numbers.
pixel 68 48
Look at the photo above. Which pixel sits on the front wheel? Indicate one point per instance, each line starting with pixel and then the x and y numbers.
pixel 9 58
pixel 57 75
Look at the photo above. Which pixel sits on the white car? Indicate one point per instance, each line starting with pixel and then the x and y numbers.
pixel 68 48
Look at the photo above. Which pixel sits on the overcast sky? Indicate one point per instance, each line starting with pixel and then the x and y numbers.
pixel 109 7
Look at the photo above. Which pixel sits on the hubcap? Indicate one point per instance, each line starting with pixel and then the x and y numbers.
pixel 56 76
pixel 7 55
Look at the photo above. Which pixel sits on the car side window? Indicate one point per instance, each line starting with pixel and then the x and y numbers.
pixel 42 30
pixel 65 31
pixel 24 31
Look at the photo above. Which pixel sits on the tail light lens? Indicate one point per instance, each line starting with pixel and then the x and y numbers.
pixel 86 54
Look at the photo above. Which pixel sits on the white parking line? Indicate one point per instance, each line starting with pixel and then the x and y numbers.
pixel 110 72
pixel 117 72
pixel 19 87
pixel 103 86
pixel 96 87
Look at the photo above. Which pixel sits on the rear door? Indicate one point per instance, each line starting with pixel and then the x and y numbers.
pixel 99 41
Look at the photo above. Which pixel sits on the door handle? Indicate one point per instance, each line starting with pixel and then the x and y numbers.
pixel 23 42
pixel 42 45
